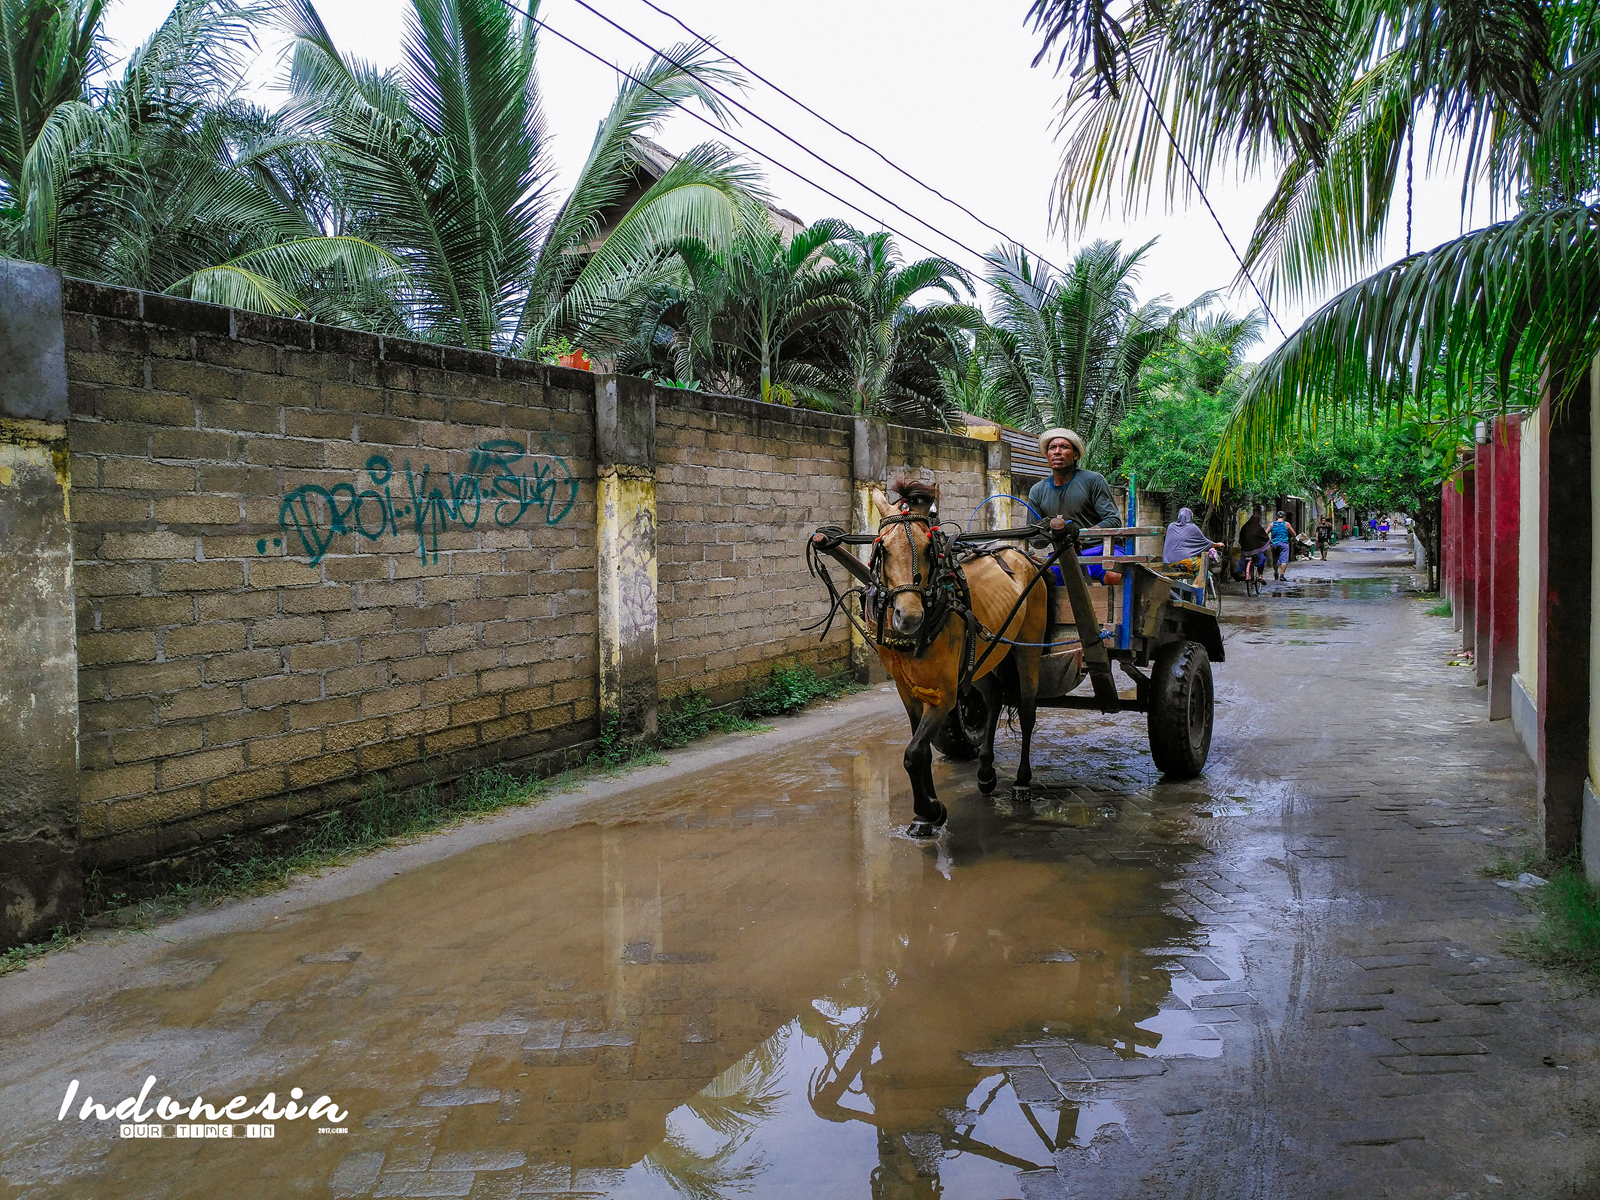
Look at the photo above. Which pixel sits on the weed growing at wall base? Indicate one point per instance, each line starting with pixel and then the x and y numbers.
pixel 793 687
pixel 1568 933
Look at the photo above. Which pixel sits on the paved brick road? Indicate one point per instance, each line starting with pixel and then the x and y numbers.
pixel 1286 979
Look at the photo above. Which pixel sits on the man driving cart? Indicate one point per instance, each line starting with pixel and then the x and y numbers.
pixel 1074 494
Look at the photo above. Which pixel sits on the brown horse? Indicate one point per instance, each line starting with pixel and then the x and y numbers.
pixel 923 596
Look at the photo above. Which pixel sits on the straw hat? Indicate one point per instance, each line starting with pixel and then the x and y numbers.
pixel 1050 435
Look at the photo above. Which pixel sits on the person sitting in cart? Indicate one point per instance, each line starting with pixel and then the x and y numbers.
pixel 1187 544
pixel 1074 494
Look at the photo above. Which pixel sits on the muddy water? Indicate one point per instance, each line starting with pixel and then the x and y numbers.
pixel 753 981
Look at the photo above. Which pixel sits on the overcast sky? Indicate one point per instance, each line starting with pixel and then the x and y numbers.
pixel 942 88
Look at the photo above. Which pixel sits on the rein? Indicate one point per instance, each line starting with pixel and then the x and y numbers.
pixel 944 592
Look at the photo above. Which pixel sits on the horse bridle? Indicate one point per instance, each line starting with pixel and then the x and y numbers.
pixel 945 589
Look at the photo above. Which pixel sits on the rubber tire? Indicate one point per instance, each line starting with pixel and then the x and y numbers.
pixel 961 736
pixel 1181 709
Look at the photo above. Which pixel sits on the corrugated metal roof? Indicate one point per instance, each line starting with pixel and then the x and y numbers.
pixel 1025 457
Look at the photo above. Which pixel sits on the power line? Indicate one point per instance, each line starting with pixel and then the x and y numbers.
pixel 802 105
pixel 548 28
pixel 951 238
pixel 1184 159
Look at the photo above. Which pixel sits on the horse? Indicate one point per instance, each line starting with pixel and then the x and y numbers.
pixel 937 615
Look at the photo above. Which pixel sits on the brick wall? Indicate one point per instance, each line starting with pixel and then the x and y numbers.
pixel 247 652
pixel 740 485
pixel 955 463
pixel 307 558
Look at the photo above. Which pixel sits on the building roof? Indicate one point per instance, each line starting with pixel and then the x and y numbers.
pixel 1025 457
pixel 651 162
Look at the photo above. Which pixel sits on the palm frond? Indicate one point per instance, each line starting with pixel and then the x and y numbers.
pixel 1474 321
pixel 238 287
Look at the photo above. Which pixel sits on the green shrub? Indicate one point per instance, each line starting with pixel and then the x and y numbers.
pixel 1568 934
pixel 792 687
pixel 692 716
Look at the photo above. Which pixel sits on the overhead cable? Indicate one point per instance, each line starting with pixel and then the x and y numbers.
pixel 689 70
pixel 803 106
pixel 1194 179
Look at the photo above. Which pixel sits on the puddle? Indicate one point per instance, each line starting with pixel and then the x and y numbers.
pixel 755 986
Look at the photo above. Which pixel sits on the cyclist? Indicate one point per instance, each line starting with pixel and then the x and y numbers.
pixel 1253 544
pixel 1282 535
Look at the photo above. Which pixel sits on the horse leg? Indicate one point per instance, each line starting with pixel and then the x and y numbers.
pixel 928 813
pixel 913 706
pixel 989 688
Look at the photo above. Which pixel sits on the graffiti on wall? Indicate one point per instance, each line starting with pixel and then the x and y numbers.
pixel 502 485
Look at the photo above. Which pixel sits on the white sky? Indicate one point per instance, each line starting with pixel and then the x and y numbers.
pixel 941 87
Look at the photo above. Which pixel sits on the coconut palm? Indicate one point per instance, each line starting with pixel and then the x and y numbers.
pixel 147 182
pixel 748 305
pixel 1067 347
pixel 1333 91
pixel 971 384
pixel 448 160
pixel 890 349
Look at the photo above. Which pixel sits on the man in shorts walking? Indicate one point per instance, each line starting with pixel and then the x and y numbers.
pixel 1282 536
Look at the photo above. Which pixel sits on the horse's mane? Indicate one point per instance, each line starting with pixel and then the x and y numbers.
pixel 913 491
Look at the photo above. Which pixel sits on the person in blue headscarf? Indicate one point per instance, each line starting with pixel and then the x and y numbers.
pixel 1186 543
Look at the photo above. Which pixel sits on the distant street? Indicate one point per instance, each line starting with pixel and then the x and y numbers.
pixel 1285 979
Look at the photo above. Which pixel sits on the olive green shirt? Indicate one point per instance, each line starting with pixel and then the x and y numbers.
pixel 1085 498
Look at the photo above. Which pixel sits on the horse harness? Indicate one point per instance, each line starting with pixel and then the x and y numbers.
pixel 943 591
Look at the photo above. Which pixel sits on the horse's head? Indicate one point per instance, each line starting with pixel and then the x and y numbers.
pixel 905 560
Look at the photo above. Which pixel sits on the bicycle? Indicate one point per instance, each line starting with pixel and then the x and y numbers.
pixel 1252 575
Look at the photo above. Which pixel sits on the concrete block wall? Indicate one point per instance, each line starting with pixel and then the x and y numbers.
pixel 955 463
pixel 304 554
pixel 740 485
pixel 290 561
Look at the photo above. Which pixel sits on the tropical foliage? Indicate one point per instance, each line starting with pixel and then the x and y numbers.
pixel 1188 387
pixel 162 179
pixel 422 201
pixel 892 350
pixel 755 313
pixel 446 161
pixel 1063 347
pixel 1333 94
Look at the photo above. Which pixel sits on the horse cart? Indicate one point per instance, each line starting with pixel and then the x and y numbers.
pixel 971 623
pixel 1156 627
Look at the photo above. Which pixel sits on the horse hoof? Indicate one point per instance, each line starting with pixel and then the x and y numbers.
pixel 986 786
pixel 1022 794
pixel 928 827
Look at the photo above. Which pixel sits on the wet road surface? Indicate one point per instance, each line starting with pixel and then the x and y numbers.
pixel 748 982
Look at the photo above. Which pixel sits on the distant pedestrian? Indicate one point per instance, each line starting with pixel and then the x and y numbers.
pixel 1187 544
pixel 1324 537
pixel 1372 528
pixel 1383 530
pixel 1282 534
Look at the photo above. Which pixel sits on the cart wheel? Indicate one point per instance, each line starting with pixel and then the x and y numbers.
pixel 1180 709
pixel 961 736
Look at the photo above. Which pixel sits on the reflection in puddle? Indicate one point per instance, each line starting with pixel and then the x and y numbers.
pixel 753 984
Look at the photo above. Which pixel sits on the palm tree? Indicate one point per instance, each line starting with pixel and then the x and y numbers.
pixel 148 182
pixel 447 159
pixel 890 349
pixel 753 302
pixel 1335 93
pixel 971 384
pixel 1067 347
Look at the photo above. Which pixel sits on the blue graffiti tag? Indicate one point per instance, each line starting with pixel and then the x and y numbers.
pixel 501 476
